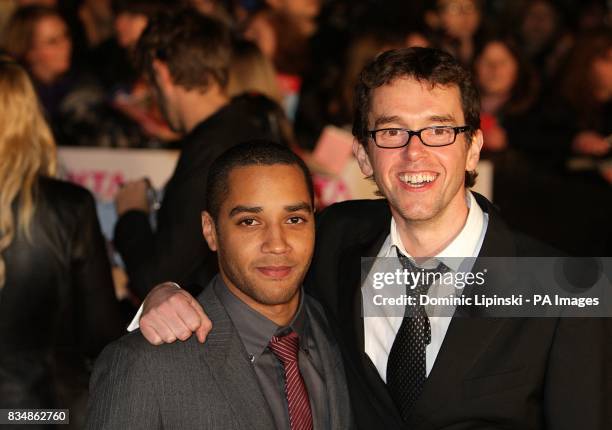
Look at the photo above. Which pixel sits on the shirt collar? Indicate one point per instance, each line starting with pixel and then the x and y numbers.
pixel 256 330
pixel 466 244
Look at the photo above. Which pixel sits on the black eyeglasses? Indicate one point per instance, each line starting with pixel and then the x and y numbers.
pixel 430 136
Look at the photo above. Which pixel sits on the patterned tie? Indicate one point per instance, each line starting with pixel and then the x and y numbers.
pixel 286 350
pixel 406 367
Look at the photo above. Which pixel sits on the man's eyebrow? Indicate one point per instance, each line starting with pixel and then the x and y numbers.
pixel 442 118
pixel 382 120
pixel 301 206
pixel 245 209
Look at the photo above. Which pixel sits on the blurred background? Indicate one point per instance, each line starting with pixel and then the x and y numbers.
pixel 544 69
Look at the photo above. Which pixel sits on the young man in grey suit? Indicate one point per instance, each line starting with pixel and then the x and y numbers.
pixel 269 360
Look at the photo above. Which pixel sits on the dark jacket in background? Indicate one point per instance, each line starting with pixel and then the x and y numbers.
pixel 57 307
pixel 177 250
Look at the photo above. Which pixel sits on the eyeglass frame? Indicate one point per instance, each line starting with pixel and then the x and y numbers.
pixel 457 130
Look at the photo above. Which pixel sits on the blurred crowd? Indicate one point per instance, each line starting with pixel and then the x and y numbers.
pixel 544 69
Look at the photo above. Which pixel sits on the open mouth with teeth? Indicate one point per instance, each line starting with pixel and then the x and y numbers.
pixel 417 180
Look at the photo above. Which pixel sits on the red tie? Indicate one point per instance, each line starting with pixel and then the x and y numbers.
pixel 286 350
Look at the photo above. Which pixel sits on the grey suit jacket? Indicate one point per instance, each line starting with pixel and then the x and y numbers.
pixel 187 385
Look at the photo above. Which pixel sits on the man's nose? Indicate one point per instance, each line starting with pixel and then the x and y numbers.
pixel 275 241
pixel 415 148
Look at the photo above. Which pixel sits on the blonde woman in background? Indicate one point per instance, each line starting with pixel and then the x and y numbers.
pixel 57 306
pixel 251 71
pixel 253 76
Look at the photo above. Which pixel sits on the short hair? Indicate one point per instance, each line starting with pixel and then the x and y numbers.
pixel 426 65
pixel 250 153
pixel 196 48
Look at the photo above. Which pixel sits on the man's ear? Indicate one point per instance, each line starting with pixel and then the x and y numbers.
pixel 473 153
pixel 209 231
pixel 162 73
pixel 363 159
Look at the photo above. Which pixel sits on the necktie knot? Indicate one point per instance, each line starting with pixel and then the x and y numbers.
pixel 428 275
pixel 285 348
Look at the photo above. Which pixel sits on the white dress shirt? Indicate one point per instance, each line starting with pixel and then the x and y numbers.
pixel 380 331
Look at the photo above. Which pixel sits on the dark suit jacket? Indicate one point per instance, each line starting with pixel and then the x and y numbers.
pixel 187 385
pixel 57 307
pixel 177 250
pixel 519 373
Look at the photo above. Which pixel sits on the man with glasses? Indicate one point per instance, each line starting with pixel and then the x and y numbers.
pixel 417 136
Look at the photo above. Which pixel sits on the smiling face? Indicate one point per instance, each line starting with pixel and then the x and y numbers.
pixel 422 184
pixel 264 235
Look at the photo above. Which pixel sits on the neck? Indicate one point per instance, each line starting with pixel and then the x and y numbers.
pixel 197 106
pixel 428 238
pixel 281 314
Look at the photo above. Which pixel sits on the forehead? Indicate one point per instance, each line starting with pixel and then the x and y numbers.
pixel 275 185
pixel 415 101
pixel 496 49
pixel 50 20
pixel 48 24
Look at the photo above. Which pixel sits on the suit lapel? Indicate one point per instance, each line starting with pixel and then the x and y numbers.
pixel 339 406
pixel 499 240
pixel 352 320
pixel 232 371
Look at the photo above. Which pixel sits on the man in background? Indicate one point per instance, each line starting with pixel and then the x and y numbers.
pixel 186 56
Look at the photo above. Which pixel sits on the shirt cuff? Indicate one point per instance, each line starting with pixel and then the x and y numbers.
pixel 135 324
